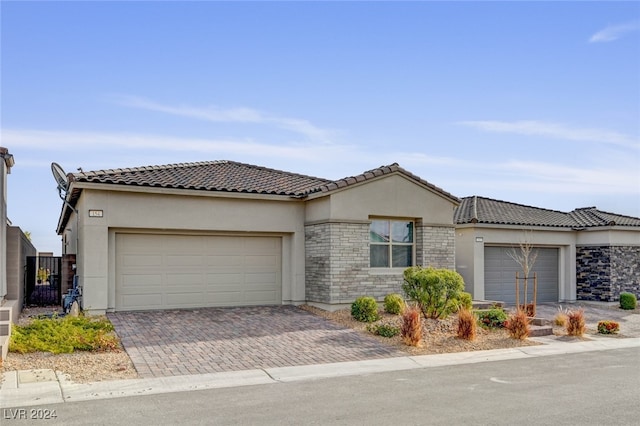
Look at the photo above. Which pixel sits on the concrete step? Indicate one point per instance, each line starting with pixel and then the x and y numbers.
pixel 539 321
pixel 540 330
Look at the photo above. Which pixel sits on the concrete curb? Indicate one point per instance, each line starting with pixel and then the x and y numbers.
pixel 41 389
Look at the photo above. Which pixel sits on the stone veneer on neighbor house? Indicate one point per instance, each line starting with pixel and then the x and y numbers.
pixel 603 272
pixel 337 261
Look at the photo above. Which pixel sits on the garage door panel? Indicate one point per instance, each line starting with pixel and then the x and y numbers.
pixel 223 278
pixel 183 279
pixel 260 245
pixel 142 301
pixel 260 278
pixel 227 298
pixel 500 275
pixel 224 260
pixel 224 245
pixel 258 297
pixel 260 261
pixel 180 271
pixel 184 298
pixel 184 260
pixel 140 280
pixel 133 260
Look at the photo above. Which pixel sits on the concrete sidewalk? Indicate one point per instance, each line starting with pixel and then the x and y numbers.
pixel 39 387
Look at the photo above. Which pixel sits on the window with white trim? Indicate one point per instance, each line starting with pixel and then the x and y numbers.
pixel 391 243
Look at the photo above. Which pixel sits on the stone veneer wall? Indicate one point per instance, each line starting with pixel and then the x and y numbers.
pixel 603 272
pixel 337 261
pixel 439 250
pixel 625 270
pixel 317 264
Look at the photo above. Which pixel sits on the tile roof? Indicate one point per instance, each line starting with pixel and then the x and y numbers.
pixel 231 176
pixel 486 210
pixel 226 176
pixel 381 171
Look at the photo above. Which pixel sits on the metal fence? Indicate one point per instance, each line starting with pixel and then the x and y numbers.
pixel 43 281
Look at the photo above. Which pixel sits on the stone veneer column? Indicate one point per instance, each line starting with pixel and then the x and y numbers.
pixel 625 270
pixel 593 273
pixel 317 262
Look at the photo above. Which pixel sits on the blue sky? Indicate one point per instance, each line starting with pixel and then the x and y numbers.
pixel 531 102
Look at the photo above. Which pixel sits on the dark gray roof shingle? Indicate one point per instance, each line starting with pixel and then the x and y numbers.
pixel 488 211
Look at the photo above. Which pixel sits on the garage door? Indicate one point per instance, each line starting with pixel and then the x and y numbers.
pixel 500 274
pixel 188 271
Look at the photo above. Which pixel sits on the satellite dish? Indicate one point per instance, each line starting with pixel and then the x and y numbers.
pixel 61 177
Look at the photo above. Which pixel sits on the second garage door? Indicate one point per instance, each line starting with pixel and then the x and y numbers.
pixel 157 271
pixel 500 274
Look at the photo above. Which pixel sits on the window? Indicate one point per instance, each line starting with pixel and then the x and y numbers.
pixel 391 243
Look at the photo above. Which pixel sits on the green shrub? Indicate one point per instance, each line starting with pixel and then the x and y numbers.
pixel 384 330
pixel 64 335
pixel 608 327
pixel 628 301
pixel 518 325
pixel 393 303
pixel 494 317
pixel 365 309
pixel 436 291
pixel 465 301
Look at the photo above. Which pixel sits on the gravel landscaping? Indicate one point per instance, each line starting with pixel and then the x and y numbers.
pixel 439 337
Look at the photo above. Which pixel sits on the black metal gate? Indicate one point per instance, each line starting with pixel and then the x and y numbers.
pixel 43 281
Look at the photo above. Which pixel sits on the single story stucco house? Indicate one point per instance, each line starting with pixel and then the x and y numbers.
pixel 586 254
pixel 224 233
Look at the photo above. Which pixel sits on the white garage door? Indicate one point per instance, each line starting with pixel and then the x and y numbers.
pixel 500 275
pixel 187 271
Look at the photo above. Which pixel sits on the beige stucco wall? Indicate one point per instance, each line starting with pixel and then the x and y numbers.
pixel 166 211
pixel 3 228
pixel 470 253
pixel 18 248
pixel 388 196
pixel 618 236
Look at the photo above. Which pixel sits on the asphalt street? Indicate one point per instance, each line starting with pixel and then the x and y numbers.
pixel 593 388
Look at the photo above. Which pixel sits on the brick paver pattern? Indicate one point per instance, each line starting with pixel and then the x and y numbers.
pixel 211 340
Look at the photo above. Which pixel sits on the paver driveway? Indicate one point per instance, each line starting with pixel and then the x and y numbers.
pixel 209 340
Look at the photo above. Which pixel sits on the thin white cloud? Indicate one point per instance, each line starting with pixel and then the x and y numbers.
pixel 118 143
pixel 231 115
pixel 459 175
pixel 560 178
pixel 555 131
pixel 614 32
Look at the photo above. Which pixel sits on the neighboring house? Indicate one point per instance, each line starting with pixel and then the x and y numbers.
pixel 224 233
pixel 586 254
pixel 6 162
pixel 9 306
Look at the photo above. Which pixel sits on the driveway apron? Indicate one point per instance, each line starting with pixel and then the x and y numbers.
pixel 211 340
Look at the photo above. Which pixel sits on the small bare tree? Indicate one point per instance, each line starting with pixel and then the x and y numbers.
pixel 525 255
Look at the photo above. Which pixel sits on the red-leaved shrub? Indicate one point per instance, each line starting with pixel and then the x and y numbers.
pixel 518 325
pixel 467 324
pixel 608 327
pixel 576 325
pixel 412 326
